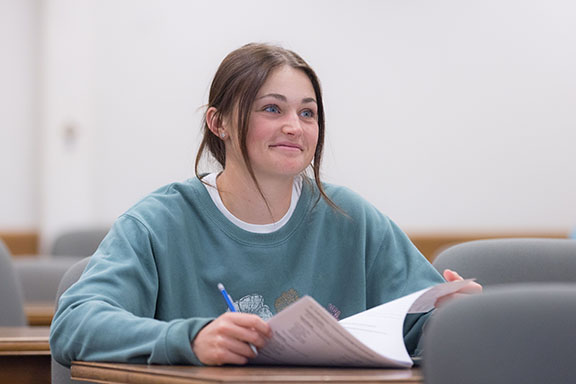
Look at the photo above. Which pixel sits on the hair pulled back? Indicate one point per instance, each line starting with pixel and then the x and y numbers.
pixel 234 89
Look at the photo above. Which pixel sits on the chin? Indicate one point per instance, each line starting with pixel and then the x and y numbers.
pixel 284 173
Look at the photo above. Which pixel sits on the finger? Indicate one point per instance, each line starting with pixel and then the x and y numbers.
pixel 471 288
pixel 233 330
pixel 249 335
pixel 468 289
pixel 214 348
pixel 251 321
pixel 450 275
pixel 239 347
pixel 227 357
pixel 218 351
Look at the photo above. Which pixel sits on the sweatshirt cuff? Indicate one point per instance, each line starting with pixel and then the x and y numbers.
pixel 177 345
pixel 413 328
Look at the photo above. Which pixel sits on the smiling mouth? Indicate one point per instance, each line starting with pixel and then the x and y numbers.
pixel 286 146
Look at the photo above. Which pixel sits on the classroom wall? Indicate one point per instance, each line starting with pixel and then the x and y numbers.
pixel 19 120
pixel 449 116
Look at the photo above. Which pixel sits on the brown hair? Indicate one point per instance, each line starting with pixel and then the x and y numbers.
pixel 236 84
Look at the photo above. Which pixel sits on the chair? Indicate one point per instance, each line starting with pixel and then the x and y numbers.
pixel 40 275
pixel 11 298
pixel 505 261
pixel 78 242
pixel 60 373
pixel 522 333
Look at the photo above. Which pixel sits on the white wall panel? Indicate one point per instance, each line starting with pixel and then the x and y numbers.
pixel 447 115
pixel 19 132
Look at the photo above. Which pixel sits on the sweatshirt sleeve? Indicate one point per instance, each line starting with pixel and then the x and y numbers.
pixel 397 270
pixel 108 314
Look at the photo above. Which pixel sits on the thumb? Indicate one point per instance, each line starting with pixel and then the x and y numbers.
pixel 450 275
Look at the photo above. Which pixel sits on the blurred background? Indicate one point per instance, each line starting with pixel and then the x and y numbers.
pixel 455 118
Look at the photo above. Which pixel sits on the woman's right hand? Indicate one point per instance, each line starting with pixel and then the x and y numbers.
pixel 227 339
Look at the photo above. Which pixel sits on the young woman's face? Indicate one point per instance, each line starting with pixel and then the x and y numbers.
pixel 283 125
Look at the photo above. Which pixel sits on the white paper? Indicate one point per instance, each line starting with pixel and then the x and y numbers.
pixel 306 334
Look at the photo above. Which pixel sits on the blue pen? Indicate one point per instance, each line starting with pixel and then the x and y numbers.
pixel 232 308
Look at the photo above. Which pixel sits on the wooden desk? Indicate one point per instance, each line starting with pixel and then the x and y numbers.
pixel 39 313
pixel 24 355
pixel 141 374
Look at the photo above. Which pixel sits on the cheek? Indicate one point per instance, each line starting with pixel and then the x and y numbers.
pixel 257 134
pixel 312 136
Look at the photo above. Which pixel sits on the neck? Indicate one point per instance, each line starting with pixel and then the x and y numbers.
pixel 242 198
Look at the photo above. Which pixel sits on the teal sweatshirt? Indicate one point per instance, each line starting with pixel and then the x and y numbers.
pixel 152 284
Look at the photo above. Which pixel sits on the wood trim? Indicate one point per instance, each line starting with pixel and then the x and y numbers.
pixel 21 242
pixel 24 341
pixel 39 314
pixel 430 244
pixel 28 348
pixel 147 374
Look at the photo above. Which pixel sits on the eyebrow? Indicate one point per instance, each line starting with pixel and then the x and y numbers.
pixel 283 98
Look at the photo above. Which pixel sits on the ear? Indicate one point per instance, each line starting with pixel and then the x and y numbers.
pixel 214 122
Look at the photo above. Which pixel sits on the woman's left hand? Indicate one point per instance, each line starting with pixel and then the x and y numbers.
pixel 468 289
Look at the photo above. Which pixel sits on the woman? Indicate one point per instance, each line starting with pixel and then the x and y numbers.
pixel 262 227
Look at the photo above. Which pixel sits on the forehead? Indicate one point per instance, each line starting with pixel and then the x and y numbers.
pixel 288 81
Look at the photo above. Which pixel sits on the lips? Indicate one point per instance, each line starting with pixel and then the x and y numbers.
pixel 287 146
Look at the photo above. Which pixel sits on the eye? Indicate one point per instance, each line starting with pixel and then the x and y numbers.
pixel 307 113
pixel 272 108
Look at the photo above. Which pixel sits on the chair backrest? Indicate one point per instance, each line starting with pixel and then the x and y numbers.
pixel 11 298
pixel 40 275
pixel 521 333
pixel 505 261
pixel 60 373
pixel 78 242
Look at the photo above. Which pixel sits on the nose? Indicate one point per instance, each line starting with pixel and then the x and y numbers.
pixel 292 125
